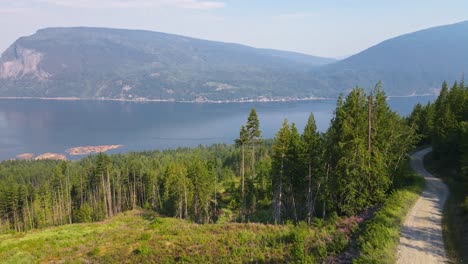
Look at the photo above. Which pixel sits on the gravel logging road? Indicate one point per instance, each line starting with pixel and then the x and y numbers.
pixel 421 238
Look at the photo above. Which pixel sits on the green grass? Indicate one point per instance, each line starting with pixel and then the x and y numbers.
pixel 379 241
pixel 143 237
pixel 455 218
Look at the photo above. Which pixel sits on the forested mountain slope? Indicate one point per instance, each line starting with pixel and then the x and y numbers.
pixel 117 63
pixel 413 63
pixel 134 64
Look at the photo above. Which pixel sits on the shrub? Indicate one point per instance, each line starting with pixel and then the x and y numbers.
pixel 143 250
pixel 94 252
pixel 297 238
pixel 83 215
pixel 226 216
pixel 145 236
pixel 317 222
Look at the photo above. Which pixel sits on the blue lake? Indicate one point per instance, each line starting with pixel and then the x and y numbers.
pixel 39 126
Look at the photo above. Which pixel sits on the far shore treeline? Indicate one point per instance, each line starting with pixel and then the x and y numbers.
pixel 297 176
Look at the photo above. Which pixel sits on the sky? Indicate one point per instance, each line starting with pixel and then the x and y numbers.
pixel 328 28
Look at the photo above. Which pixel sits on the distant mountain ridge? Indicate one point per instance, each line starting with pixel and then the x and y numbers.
pixel 129 64
pixel 412 63
pixel 135 64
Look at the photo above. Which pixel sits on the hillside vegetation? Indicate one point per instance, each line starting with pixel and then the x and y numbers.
pixel 145 237
pixel 142 237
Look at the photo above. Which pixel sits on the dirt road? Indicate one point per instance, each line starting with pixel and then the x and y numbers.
pixel 421 238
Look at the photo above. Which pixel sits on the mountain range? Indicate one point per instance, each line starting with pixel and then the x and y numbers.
pixel 96 63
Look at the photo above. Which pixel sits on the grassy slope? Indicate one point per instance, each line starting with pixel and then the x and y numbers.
pixel 138 237
pixel 379 242
pixel 455 220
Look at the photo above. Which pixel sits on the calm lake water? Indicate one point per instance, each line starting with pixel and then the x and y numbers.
pixel 39 126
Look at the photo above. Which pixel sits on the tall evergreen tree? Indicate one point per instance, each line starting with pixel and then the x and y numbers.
pixel 242 141
pixel 311 149
pixel 280 150
pixel 254 138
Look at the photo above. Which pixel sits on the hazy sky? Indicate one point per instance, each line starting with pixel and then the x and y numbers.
pixel 332 28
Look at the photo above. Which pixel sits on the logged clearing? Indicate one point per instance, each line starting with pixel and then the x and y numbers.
pixel 421 238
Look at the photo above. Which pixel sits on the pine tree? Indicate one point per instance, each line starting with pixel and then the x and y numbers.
pixel 294 169
pixel 177 188
pixel 254 138
pixel 311 149
pixel 350 165
pixel 202 189
pixel 280 150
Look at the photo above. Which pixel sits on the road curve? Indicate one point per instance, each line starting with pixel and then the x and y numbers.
pixel 421 238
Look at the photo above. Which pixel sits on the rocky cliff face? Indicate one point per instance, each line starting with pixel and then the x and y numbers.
pixel 25 63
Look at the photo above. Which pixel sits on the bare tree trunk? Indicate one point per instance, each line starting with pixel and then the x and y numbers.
pixel 252 209
pixel 114 197
pixel 109 194
pixel 69 202
pixel 369 125
pixel 104 195
pixel 324 200
pixel 61 202
pixel 153 200
pixel 293 204
pixel 45 210
pixel 52 207
pixel 243 183
pixel 142 196
pixel 369 139
pixel 30 213
pixel 215 185
pixel 309 195
pixel 186 199
pixel 119 198
pixel 81 189
pixel 15 220
pixel 279 195
pixel 134 191
pixel 315 199
pixel 180 212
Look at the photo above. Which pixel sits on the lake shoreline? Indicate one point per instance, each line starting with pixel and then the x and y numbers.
pixel 52 126
pixel 145 100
